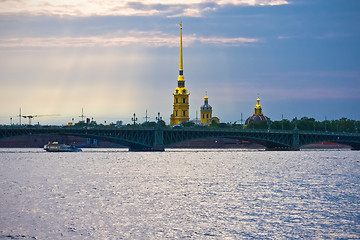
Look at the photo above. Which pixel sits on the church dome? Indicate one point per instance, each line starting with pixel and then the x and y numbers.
pixel 256 118
pixel 258 115
pixel 206 105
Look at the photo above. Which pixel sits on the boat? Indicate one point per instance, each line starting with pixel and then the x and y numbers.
pixel 60 147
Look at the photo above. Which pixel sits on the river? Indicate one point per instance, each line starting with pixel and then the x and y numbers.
pixel 179 194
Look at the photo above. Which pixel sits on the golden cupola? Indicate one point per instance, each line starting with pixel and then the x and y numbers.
pixel 258 108
pixel 258 114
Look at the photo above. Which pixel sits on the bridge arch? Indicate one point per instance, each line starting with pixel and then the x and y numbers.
pixel 156 139
pixel 132 138
pixel 268 139
pixel 349 139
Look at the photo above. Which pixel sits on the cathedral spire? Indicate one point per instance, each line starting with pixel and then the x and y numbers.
pixel 181 67
pixel 181 78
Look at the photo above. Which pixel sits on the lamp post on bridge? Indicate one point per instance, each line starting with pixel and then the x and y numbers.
pixel 296 123
pixel 134 119
pixel 158 118
pixel 356 127
pixel 269 125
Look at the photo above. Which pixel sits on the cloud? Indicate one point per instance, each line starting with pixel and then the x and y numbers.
pixel 282 37
pixel 228 41
pixel 85 8
pixel 154 39
pixel 313 93
pixel 279 93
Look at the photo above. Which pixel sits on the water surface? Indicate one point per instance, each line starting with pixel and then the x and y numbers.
pixel 179 194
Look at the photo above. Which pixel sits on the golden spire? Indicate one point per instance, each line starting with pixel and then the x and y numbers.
pixel 181 77
pixel 181 69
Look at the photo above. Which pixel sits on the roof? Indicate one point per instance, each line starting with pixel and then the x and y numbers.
pixel 256 118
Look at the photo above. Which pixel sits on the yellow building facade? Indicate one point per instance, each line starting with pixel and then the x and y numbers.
pixel 181 95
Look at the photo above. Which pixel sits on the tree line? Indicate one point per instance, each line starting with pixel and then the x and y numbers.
pixel 303 124
pixel 308 124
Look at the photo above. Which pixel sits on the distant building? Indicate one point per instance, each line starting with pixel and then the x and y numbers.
pixel 181 96
pixel 206 113
pixel 258 115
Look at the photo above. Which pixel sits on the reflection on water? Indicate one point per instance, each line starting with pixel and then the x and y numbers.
pixel 199 194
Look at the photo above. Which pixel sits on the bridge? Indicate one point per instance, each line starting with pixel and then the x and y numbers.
pixel 159 138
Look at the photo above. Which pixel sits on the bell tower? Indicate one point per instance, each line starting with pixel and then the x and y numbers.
pixel 206 111
pixel 181 96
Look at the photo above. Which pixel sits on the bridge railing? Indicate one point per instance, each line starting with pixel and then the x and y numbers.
pixel 167 128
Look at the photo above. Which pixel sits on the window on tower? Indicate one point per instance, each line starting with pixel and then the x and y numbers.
pixel 184 113
pixel 176 100
pixel 183 100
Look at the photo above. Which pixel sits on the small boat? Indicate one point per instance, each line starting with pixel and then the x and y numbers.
pixel 57 147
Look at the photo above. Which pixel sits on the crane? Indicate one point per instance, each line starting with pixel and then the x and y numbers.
pixel 30 117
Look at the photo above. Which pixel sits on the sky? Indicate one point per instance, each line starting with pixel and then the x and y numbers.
pixel 116 58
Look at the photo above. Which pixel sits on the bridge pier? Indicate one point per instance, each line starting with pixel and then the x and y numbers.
pixel 156 146
pixel 282 149
pixel 147 149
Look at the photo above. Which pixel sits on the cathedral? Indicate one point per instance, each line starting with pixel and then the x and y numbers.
pixel 181 102
pixel 181 95
pixel 181 99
